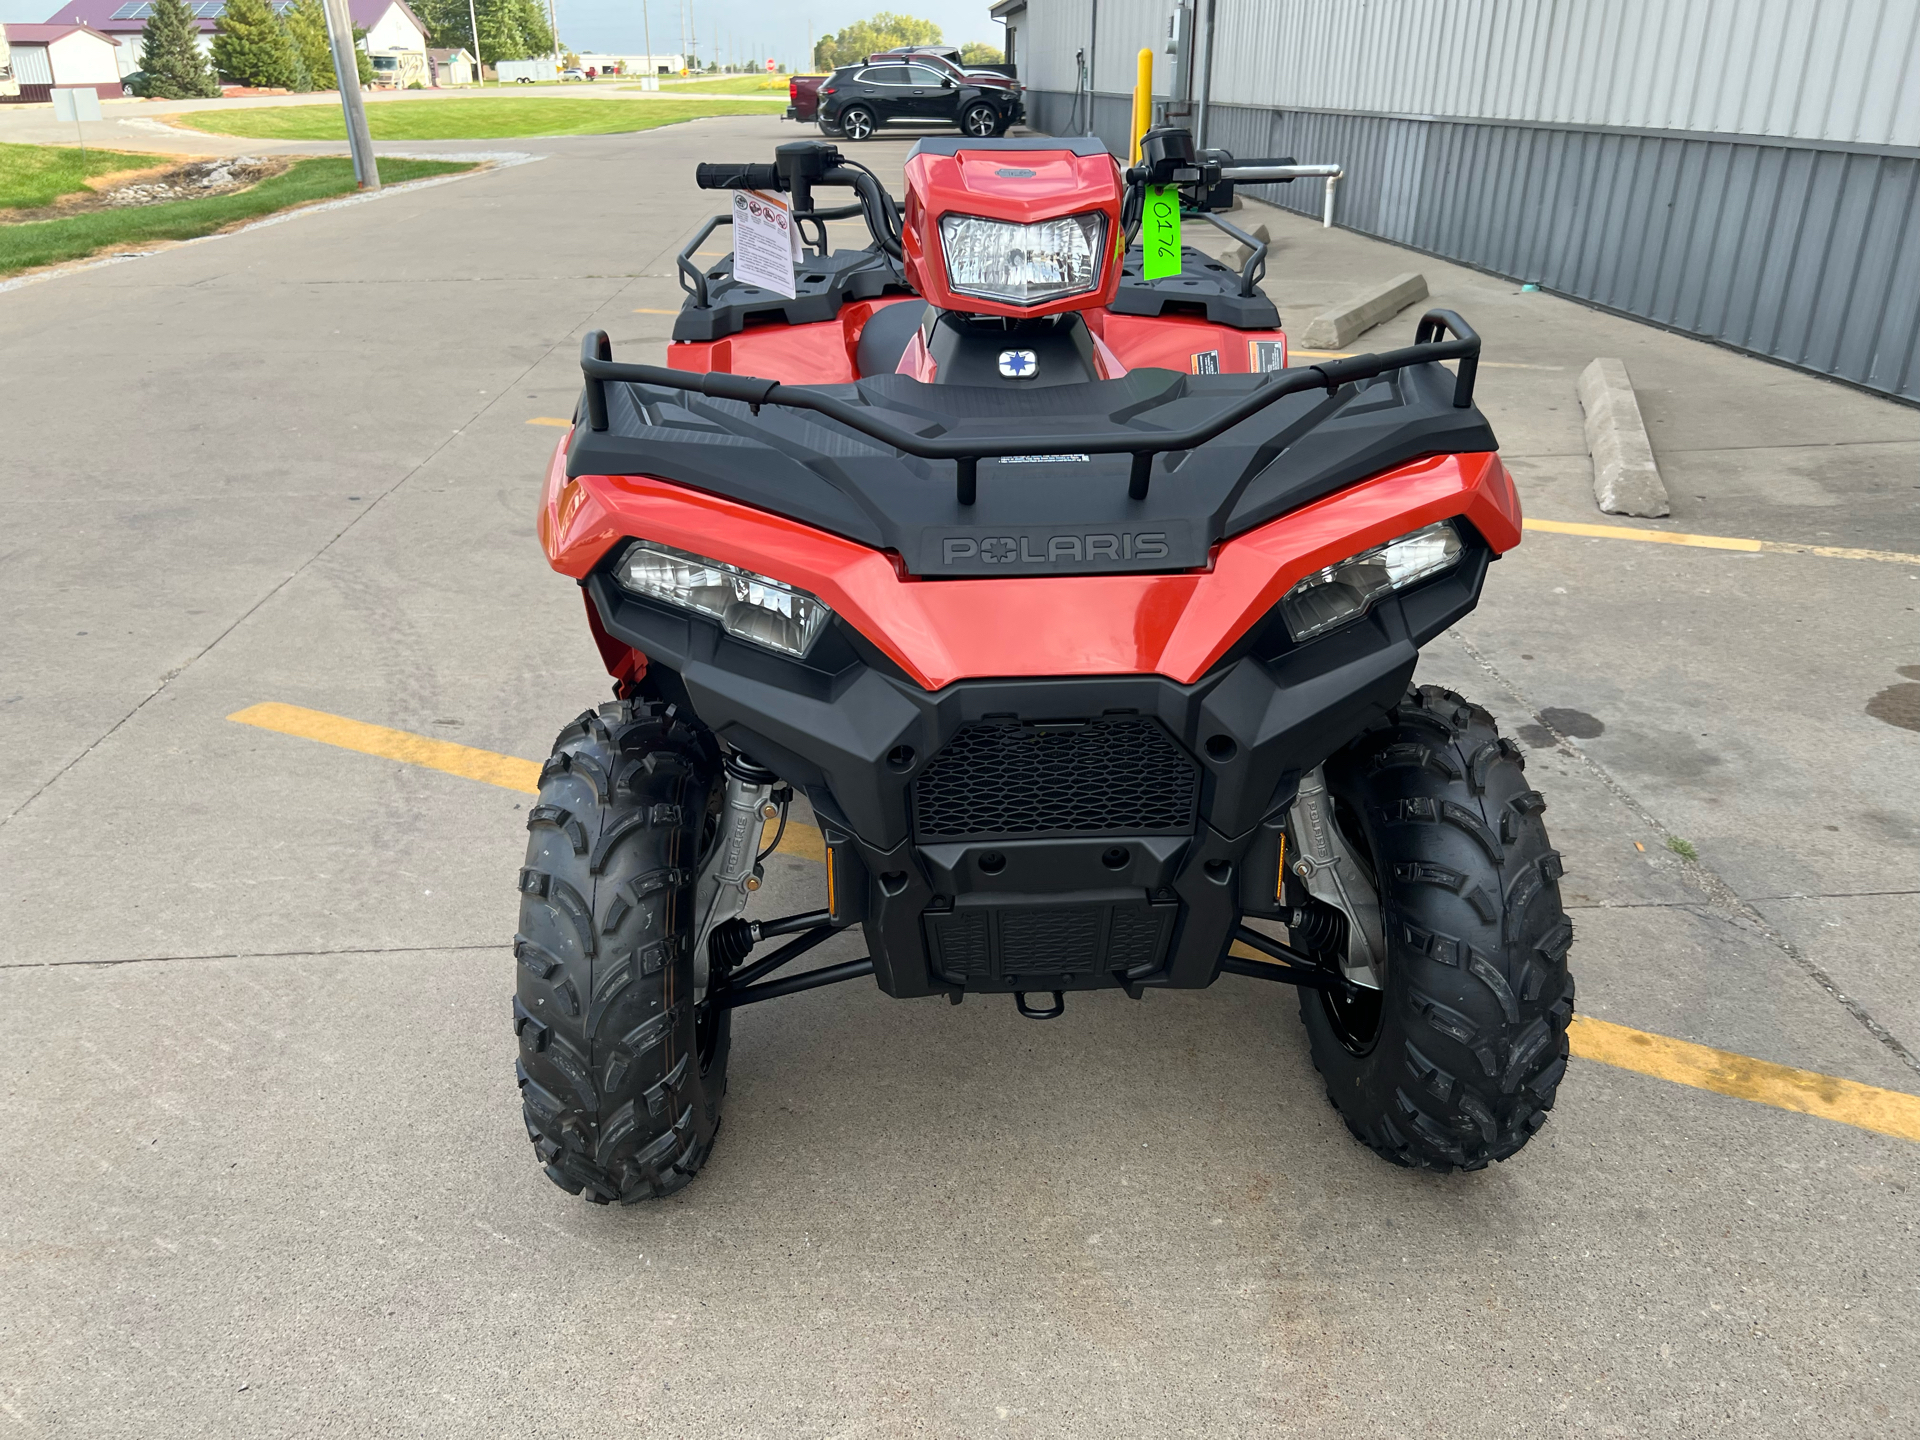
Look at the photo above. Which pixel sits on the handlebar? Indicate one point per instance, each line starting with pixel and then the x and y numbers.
pixel 1278 174
pixel 743 176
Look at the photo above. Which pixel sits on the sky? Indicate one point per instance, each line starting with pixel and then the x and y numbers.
pixel 755 29
pixel 752 28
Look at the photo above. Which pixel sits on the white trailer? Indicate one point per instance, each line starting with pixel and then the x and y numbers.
pixel 527 72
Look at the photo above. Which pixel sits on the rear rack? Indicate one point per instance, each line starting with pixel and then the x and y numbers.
pixel 598 366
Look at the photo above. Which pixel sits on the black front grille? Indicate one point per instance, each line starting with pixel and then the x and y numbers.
pixel 1118 775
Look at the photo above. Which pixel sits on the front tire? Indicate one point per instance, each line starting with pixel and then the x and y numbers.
pixel 1455 1063
pixel 980 121
pixel 621 1068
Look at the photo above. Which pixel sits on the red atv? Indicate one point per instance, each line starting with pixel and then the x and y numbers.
pixel 1085 626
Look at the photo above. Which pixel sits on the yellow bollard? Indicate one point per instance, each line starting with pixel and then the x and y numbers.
pixel 1142 100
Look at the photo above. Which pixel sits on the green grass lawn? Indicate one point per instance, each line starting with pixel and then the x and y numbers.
pixel 480 118
pixel 48 242
pixel 771 87
pixel 36 175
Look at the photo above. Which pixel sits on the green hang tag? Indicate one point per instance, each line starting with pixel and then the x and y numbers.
pixel 1160 231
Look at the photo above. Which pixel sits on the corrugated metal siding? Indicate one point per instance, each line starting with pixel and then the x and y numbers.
pixel 1802 255
pixel 1835 70
pixel 1500 133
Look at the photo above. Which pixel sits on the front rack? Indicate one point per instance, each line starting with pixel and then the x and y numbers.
pixel 598 366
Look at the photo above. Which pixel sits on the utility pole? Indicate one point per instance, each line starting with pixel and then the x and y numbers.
pixel 553 28
pixel 646 31
pixel 346 71
pixel 479 65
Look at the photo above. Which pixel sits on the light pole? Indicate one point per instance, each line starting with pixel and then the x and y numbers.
pixel 346 71
pixel 479 65
pixel 646 31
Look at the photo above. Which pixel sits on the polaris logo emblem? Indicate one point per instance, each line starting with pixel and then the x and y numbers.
pixel 1018 364
pixel 1076 549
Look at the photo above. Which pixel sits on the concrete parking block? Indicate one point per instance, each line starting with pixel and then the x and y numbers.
pixel 1336 326
pixel 1626 478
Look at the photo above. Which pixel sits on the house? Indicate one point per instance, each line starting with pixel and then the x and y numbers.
pixel 449 67
pixel 392 29
pixel 69 56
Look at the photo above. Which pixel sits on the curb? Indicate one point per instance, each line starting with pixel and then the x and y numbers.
pixel 494 160
pixel 1332 329
pixel 1626 478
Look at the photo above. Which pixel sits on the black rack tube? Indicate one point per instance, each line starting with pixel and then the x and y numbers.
pixel 595 346
pixel 1139 474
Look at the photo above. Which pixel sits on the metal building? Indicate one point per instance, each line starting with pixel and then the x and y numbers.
pixel 1742 170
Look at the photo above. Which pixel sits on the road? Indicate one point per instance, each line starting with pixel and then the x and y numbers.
pixel 264 1173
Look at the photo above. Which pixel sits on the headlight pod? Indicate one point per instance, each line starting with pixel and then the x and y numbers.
pixel 1023 264
pixel 1330 598
pixel 747 605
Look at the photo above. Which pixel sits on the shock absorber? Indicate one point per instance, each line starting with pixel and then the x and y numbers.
pixel 731 872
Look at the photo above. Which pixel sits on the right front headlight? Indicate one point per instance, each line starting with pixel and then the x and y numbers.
pixel 749 606
pixel 1331 597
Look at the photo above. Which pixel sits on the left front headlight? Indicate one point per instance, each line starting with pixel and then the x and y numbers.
pixel 749 606
pixel 1023 264
pixel 1331 597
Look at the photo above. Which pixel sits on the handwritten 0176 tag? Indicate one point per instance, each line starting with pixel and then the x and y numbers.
pixel 1160 231
pixel 765 244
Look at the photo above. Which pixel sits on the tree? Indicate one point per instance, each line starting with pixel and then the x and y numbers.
pixel 509 29
pixel 250 45
pixel 306 22
pixel 853 43
pixel 171 65
pixel 978 52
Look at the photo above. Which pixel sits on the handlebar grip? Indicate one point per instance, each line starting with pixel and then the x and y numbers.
pixel 737 177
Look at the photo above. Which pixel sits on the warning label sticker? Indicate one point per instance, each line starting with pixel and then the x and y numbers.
pixel 765 243
pixel 1206 362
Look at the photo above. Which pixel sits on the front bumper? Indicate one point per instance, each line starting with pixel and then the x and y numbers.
pixel 1097 905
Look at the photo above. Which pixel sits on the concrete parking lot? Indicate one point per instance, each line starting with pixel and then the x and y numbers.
pixel 265 1173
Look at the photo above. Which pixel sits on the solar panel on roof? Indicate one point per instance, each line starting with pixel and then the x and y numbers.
pixel 136 11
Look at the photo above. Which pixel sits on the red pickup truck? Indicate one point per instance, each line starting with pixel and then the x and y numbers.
pixel 803 97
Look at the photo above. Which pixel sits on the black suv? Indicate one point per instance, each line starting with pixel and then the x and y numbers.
pixel 858 99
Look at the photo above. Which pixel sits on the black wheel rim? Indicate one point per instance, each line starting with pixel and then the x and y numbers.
pixel 1353 1012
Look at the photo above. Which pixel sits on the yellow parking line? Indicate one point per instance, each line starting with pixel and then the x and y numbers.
pixel 550 420
pixel 644 311
pixel 509 772
pixel 1714 542
pixel 1867 1107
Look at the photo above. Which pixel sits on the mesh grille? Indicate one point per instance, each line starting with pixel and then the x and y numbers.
pixel 1115 775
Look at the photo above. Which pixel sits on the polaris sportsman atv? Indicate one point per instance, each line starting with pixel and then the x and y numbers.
pixel 1085 625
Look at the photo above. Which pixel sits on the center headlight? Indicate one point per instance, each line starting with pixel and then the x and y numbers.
pixel 1333 596
pixel 747 605
pixel 1023 264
